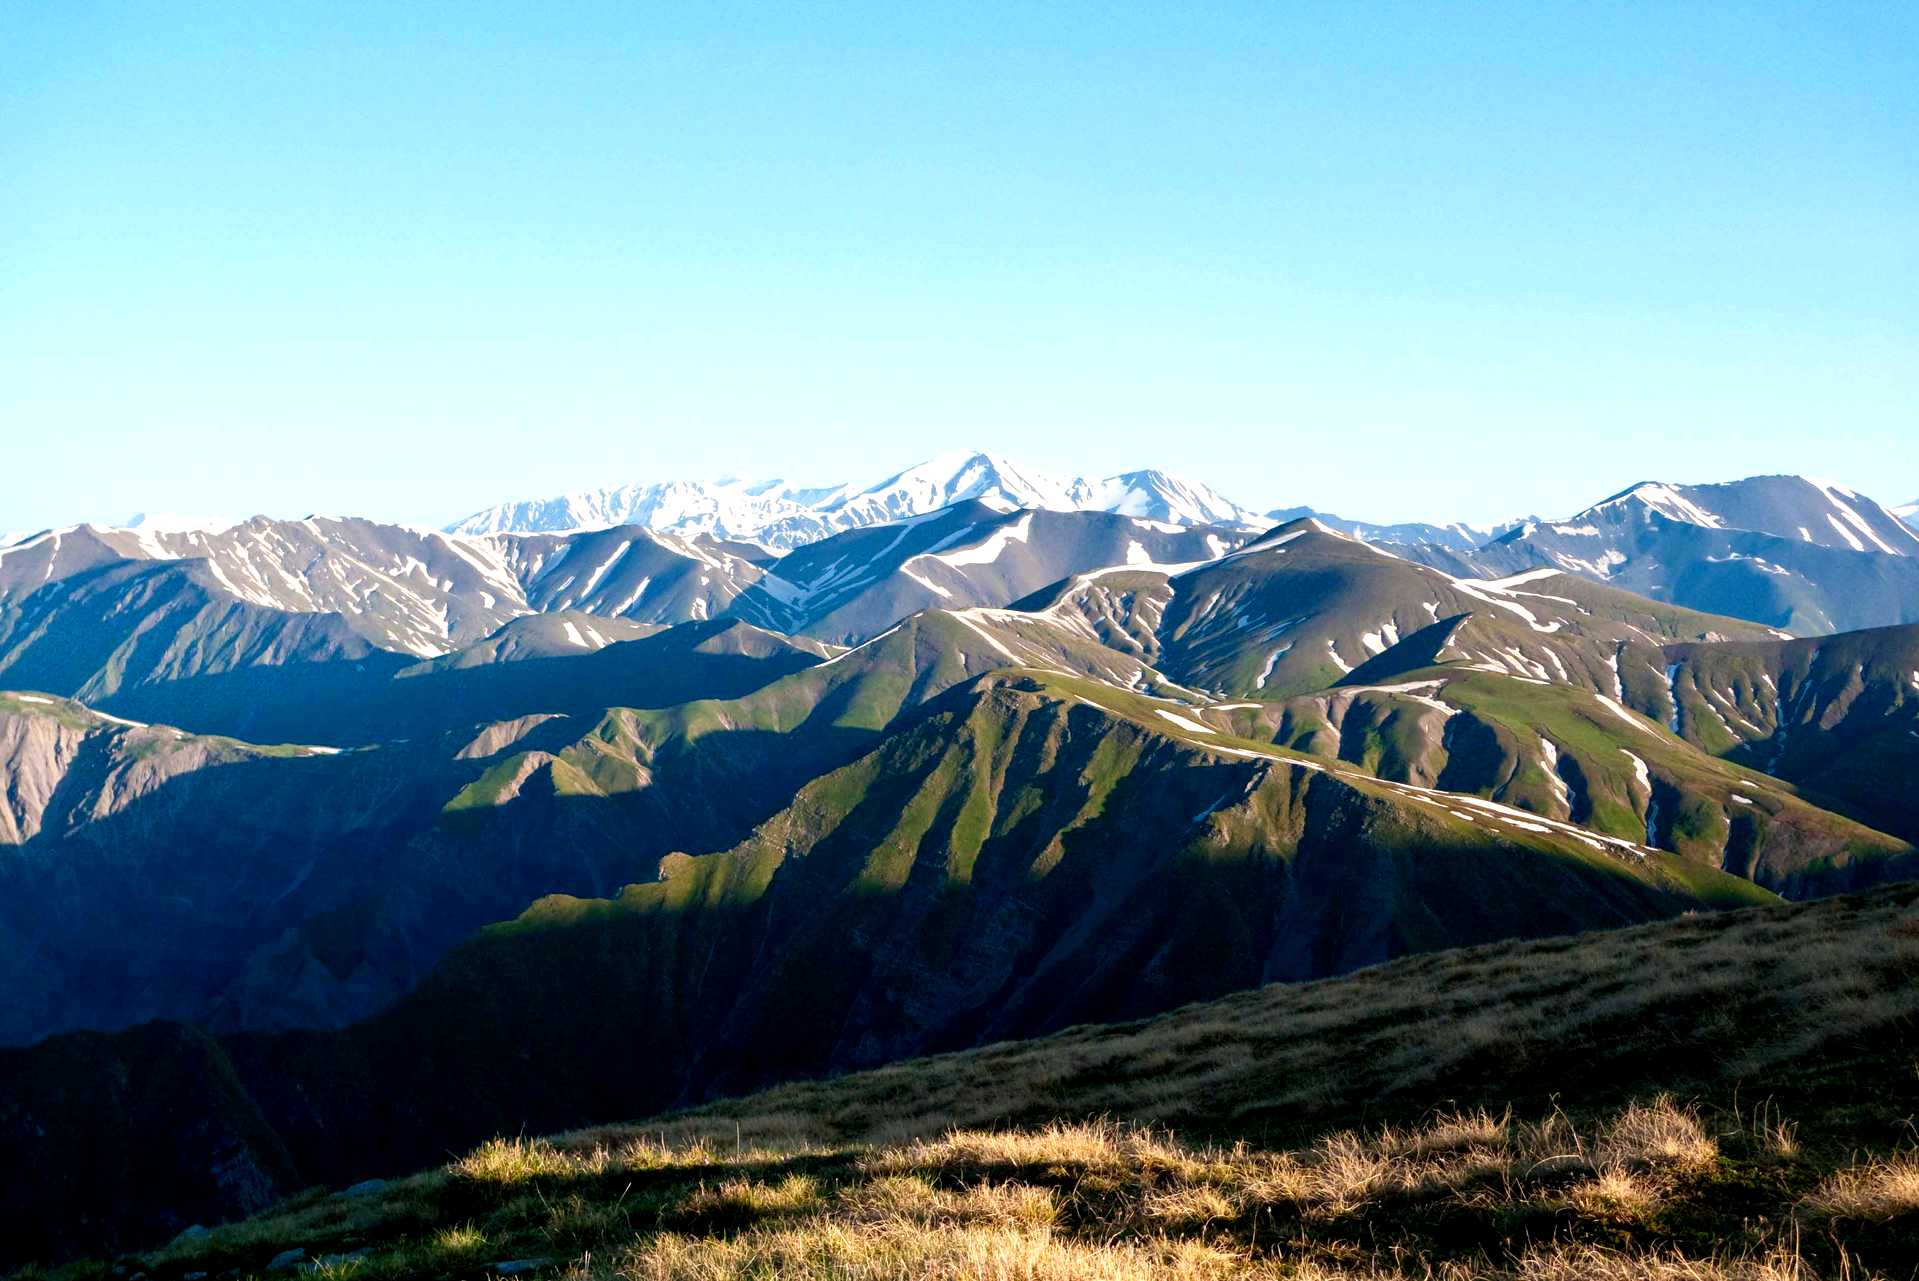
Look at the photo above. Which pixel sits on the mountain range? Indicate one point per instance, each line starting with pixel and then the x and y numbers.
pixel 781 516
pixel 368 812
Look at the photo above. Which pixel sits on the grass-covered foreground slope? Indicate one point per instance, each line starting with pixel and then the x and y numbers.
pixel 1722 1096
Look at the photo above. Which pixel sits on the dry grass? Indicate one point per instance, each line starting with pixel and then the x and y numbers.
pixel 1594 1264
pixel 1558 1109
pixel 1615 1194
pixel 509 1161
pixel 1688 1003
pixel 1880 1190
pixel 464 1239
pixel 913 1200
pixel 1659 1135
pixel 1466 1194
pixel 745 1200
pixel 1083 1200
pixel 833 1252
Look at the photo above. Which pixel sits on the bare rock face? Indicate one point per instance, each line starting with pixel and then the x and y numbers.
pixel 35 754
pixel 63 766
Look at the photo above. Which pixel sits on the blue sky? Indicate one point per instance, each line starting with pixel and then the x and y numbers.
pixel 1420 261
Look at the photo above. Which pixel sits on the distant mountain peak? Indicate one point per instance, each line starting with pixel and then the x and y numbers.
pixel 1665 499
pixel 777 515
pixel 1786 506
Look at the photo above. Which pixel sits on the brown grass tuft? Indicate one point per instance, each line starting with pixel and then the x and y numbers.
pixel 1878 1190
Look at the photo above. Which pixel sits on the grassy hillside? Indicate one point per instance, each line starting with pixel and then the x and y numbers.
pixel 1722 1096
pixel 1033 850
pixel 1576 755
pixel 1024 853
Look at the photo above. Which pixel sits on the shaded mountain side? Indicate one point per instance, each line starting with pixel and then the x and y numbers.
pixel 284 887
pixel 151 873
pixel 1014 860
pixel 116 626
pixel 144 870
pixel 519 671
pixel 1838 715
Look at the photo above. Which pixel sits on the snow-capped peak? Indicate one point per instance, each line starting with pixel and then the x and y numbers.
pixel 1796 507
pixel 781 516
pixel 1158 495
pixel 958 477
pixel 1664 499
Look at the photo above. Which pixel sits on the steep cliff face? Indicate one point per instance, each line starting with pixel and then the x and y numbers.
pixel 36 754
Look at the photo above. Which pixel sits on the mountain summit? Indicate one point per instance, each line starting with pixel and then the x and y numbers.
pixel 781 516
pixel 1788 551
pixel 1798 507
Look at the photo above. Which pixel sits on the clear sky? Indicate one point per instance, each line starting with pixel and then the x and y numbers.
pixel 1419 261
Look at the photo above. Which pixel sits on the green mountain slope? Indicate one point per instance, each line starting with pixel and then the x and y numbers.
pixel 1838 715
pixel 1027 853
pixel 1034 850
pixel 1580 757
